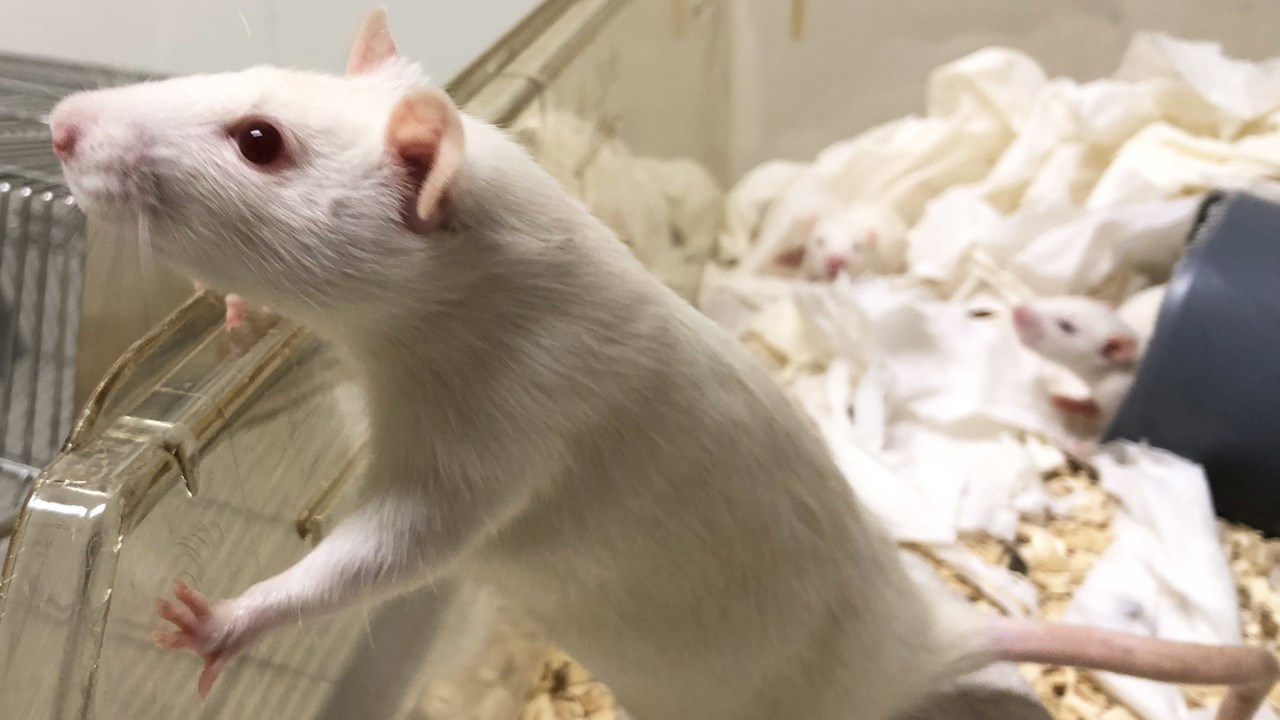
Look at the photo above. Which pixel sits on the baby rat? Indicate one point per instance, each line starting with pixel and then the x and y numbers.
pixel 1090 339
pixel 546 417
pixel 832 246
pixel 855 239
pixel 850 239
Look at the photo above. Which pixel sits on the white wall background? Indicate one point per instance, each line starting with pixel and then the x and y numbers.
pixel 862 62
pixel 185 36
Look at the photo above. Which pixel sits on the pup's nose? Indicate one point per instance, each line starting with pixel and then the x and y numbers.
pixel 1022 315
pixel 835 264
pixel 65 136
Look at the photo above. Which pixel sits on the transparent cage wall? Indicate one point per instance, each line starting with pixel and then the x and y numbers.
pixel 220 460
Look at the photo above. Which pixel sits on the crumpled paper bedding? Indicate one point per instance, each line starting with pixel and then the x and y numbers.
pixel 1012 185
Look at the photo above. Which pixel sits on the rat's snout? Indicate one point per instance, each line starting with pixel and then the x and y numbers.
pixel 100 145
pixel 65 135
pixel 1026 323
pixel 69 123
pixel 78 125
pixel 834 265
pixel 66 125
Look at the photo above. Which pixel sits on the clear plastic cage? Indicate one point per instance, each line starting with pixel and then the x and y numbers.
pixel 219 460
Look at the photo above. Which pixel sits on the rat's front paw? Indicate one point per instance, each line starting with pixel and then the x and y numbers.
pixel 235 311
pixel 235 307
pixel 214 631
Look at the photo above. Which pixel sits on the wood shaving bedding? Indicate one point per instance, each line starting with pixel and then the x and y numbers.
pixel 1057 553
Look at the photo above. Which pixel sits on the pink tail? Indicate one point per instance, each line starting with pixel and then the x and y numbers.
pixel 1250 672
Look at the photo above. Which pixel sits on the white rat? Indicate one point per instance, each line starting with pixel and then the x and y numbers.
pixel 830 247
pixel 546 417
pixel 1097 343
pixel 853 239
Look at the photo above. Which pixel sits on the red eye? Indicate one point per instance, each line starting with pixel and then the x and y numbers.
pixel 259 141
pixel 1067 327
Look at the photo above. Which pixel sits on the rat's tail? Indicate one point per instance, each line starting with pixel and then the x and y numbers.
pixel 1250 672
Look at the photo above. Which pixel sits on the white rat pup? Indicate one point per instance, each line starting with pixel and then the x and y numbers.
pixel 546 417
pixel 1091 340
pixel 853 239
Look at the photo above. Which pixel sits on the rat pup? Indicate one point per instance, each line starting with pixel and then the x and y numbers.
pixel 1090 339
pixel 849 239
pixel 546 417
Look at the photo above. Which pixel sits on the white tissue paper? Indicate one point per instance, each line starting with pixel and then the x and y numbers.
pixel 1012 185
pixel 1164 575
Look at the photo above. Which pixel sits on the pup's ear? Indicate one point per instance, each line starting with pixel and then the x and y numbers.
pixel 1120 349
pixel 373 45
pixel 425 134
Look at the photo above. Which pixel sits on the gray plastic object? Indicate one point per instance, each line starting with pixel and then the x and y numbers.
pixel 1208 388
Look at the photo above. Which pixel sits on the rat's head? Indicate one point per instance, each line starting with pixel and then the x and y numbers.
pixel 841 241
pixel 305 191
pixel 836 241
pixel 1081 334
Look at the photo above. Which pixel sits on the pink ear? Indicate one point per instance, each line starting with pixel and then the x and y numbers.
pixel 425 133
pixel 790 258
pixel 1120 349
pixel 373 45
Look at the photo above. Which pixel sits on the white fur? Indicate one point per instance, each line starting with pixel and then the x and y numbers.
pixel 866 238
pixel 1077 347
pixel 546 417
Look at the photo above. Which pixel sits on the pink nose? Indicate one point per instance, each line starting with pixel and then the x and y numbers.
pixel 835 264
pixel 1023 316
pixel 65 135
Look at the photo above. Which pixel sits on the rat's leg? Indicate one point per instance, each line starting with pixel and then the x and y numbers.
pixel 1076 406
pixel 380 549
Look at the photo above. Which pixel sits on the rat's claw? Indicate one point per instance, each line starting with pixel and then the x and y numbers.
pixel 194 601
pixel 184 620
pixel 172 641
pixel 207 629
pixel 212 668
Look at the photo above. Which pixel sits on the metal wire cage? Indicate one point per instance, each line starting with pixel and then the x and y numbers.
pixel 41 268
pixel 42 254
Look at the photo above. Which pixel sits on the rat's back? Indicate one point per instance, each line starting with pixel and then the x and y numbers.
pixel 703 552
